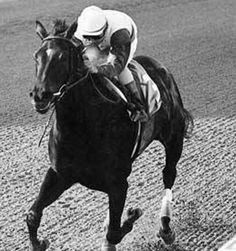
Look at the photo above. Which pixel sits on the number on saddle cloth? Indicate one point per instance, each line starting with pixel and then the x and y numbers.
pixel 149 89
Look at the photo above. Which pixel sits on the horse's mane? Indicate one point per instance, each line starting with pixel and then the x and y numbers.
pixel 59 26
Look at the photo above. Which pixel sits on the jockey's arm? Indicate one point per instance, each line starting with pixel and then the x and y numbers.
pixel 120 48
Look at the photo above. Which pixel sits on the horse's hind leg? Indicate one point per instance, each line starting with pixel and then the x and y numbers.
pixel 53 186
pixel 173 152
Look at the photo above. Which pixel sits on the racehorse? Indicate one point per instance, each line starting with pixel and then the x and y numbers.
pixel 92 138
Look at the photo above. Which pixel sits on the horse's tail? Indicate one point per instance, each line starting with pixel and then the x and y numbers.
pixel 186 116
pixel 188 123
pixel 169 86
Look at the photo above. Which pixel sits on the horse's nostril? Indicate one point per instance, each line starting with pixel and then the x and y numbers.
pixel 36 98
pixel 39 96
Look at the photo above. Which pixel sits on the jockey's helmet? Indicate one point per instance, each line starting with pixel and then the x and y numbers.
pixel 92 23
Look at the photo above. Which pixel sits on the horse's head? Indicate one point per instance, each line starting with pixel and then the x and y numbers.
pixel 56 62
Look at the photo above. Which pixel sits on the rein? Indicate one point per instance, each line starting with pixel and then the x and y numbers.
pixel 104 97
pixel 66 87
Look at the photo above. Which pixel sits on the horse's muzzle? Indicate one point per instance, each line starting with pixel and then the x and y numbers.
pixel 41 103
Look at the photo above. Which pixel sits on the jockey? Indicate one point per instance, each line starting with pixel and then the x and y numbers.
pixel 113 32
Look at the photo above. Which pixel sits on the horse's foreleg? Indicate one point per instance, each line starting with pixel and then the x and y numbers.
pixel 117 197
pixel 53 186
pixel 173 153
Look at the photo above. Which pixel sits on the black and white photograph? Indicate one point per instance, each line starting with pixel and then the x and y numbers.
pixel 118 125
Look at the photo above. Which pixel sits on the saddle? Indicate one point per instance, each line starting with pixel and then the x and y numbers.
pixel 148 89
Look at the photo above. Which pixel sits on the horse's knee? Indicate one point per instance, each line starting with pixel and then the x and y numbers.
pixel 33 219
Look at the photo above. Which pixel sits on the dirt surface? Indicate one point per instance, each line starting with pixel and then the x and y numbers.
pixel 196 40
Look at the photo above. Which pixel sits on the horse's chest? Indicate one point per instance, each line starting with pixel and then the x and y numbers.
pixel 92 161
pixel 90 169
pixel 92 178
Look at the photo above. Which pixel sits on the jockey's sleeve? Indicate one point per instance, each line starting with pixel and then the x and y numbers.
pixel 120 47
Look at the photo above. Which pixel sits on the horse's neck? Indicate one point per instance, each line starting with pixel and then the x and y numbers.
pixel 67 109
pixel 83 106
pixel 74 105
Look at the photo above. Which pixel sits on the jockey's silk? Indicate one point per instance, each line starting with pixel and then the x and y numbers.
pixel 120 40
pixel 116 21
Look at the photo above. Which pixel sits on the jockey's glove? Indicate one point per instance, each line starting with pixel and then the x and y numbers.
pixel 107 70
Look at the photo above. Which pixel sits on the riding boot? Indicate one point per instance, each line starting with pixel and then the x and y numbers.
pixel 139 113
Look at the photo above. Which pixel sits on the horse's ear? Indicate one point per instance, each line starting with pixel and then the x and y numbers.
pixel 40 30
pixel 71 30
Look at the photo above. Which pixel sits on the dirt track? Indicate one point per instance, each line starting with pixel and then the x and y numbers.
pixel 196 40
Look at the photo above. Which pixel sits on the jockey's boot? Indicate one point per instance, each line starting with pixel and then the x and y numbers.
pixel 139 113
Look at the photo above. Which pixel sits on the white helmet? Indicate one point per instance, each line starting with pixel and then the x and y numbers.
pixel 92 21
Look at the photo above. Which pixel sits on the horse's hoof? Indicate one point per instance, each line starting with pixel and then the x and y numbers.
pixel 40 246
pixel 168 238
pixel 134 214
pixel 106 246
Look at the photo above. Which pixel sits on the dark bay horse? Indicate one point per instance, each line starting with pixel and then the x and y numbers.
pixel 92 139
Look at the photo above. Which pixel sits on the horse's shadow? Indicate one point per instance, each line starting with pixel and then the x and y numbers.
pixel 159 246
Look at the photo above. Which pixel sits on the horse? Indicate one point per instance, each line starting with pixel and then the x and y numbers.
pixel 92 137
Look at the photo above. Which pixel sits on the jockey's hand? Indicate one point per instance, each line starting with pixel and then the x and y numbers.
pixel 131 107
pixel 91 67
pixel 107 70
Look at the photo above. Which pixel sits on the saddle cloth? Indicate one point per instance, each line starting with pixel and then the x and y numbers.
pixel 145 84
